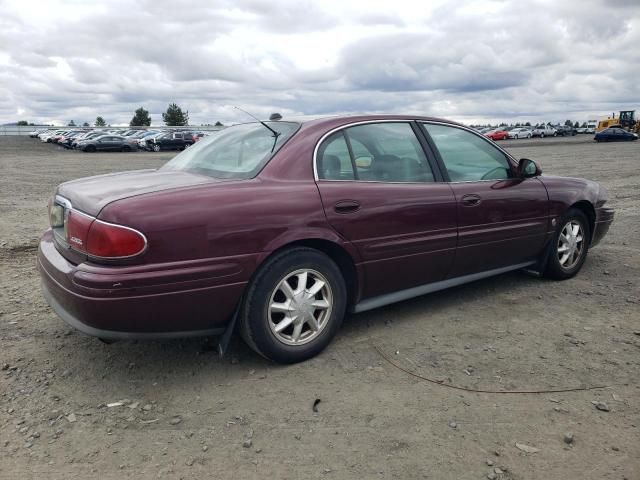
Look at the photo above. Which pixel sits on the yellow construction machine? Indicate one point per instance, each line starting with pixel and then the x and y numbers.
pixel 625 120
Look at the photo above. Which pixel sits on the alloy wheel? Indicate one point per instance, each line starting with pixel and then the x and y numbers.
pixel 300 307
pixel 570 244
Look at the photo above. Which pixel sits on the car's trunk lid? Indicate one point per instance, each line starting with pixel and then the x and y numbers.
pixel 92 194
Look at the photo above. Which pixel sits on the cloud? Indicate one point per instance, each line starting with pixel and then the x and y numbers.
pixel 471 61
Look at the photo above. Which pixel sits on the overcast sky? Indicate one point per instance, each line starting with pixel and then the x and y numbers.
pixel 471 61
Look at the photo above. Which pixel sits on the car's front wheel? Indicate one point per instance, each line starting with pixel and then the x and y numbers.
pixel 569 246
pixel 294 305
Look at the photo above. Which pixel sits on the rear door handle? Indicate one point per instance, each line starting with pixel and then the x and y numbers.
pixel 346 206
pixel 471 200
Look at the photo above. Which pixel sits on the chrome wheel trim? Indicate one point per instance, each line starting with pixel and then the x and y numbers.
pixel 571 244
pixel 300 307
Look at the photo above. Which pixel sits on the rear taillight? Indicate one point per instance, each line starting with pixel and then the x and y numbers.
pixel 76 229
pixel 94 237
pixel 106 240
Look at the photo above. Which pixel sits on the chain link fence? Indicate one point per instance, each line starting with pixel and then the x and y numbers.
pixel 27 129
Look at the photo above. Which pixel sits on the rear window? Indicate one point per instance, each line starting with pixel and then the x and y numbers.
pixel 236 152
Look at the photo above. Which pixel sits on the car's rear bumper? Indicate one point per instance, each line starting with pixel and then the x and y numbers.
pixel 123 303
pixel 604 219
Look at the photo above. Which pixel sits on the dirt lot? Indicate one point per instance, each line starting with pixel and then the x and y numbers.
pixel 188 414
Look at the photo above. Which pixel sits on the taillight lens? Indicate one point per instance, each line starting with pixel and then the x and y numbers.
pixel 107 240
pixel 76 229
pixel 94 237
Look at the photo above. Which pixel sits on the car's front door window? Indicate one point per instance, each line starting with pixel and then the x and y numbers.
pixel 468 157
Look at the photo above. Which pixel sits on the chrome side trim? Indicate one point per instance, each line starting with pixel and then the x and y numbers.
pixel 366 122
pixel 470 130
pixel 394 297
pixel 60 200
pixel 342 127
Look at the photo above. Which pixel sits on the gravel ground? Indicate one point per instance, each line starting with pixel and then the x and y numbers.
pixel 73 407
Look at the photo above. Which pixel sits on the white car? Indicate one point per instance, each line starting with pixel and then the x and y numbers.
pixel 520 132
pixel 142 143
pixel 47 136
pixel 544 131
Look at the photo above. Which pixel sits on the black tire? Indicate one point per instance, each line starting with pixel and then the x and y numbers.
pixel 125 148
pixel 553 268
pixel 254 314
pixel 90 148
pixel 542 135
pixel 156 148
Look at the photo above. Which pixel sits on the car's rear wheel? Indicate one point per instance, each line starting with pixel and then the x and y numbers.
pixel 569 246
pixel 294 305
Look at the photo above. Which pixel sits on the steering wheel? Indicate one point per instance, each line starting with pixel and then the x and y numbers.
pixel 487 176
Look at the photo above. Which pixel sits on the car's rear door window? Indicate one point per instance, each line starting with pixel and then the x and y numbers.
pixel 333 160
pixel 468 157
pixel 388 152
pixel 375 152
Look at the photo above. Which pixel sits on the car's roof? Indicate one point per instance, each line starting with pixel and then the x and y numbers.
pixel 329 123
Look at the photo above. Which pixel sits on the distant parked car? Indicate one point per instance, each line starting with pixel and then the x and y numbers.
pixel 47 137
pixel 520 132
pixel 497 134
pixel 68 140
pixel 170 141
pixel 198 136
pixel 86 136
pixel 144 140
pixel 566 130
pixel 35 133
pixel 113 143
pixel 544 131
pixel 615 134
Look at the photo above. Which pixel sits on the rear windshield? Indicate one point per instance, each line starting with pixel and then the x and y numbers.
pixel 235 152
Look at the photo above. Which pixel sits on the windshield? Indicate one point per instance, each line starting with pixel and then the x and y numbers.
pixel 235 152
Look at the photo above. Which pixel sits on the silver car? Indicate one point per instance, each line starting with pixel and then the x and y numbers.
pixel 520 132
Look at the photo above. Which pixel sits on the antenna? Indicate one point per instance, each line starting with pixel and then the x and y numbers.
pixel 275 134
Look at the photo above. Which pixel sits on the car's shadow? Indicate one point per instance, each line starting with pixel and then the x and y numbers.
pixel 186 357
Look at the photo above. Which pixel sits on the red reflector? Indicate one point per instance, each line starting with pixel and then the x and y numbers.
pixel 114 241
pixel 76 228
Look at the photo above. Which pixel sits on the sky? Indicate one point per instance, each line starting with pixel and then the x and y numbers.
pixel 471 61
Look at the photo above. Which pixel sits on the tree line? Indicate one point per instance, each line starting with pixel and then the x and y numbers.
pixel 173 117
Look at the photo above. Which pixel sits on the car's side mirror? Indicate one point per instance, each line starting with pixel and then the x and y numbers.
pixel 528 168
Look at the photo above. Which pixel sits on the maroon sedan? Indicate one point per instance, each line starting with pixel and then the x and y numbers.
pixel 283 227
